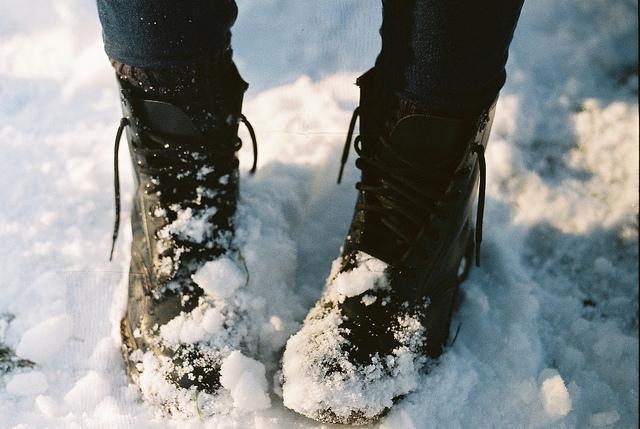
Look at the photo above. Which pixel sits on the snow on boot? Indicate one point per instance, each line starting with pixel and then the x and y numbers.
pixel 387 305
pixel 181 320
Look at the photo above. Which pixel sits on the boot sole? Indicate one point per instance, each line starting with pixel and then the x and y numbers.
pixel 128 346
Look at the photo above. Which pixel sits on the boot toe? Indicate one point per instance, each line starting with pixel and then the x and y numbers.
pixel 177 364
pixel 331 374
pixel 184 384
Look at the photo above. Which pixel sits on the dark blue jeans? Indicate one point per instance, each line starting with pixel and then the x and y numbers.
pixel 448 55
pixel 157 33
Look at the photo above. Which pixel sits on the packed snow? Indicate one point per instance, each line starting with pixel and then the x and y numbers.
pixel 555 396
pixel 369 275
pixel 220 278
pixel 349 391
pixel 45 339
pixel 196 326
pixel 245 379
pixel 27 384
pixel 548 325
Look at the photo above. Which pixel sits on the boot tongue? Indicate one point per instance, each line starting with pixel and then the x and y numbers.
pixel 430 141
pixel 167 119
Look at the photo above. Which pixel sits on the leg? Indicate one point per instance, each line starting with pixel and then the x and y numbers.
pixel 425 114
pixel 447 55
pixel 162 46
pixel 160 33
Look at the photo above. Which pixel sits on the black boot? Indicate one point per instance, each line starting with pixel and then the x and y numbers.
pixel 388 302
pixel 181 125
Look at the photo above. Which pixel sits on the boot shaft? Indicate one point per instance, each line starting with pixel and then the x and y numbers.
pixel 183 145
pixel 419 159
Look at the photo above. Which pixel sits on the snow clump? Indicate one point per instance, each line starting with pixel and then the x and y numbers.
pixel 220 278
pixel 368 275
pixel 245 379
pixel 193 327
pixel 555 396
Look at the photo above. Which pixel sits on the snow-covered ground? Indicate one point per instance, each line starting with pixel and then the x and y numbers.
pixel 549 324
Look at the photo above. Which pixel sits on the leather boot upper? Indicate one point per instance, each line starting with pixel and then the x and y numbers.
pixel 388 300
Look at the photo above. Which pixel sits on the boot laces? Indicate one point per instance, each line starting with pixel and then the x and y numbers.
pixel 181 171
pixel 399 196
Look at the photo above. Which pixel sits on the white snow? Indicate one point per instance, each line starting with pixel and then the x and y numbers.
pixel 44 340
pixel 369 275
pixel 557 288
pixel 193 327
pixel 27 384
pixel 46 405
pixel 246 380
pixel 87 392
pixel 363 391
pixel 220 278
pixel 188 224
pixel 555 396
pixel 368 299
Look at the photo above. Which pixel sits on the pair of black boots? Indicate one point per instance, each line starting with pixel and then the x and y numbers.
pixel 388 303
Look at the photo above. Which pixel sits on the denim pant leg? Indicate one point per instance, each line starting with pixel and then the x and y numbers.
pixel 158 33
pixel 448 55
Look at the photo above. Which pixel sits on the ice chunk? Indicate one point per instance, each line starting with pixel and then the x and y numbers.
pixel 27 384
pixel 220 278
pixel 44 340
pixel 245 379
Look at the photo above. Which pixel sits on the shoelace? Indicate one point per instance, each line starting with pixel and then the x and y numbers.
pixel 403 196
pixel 124 122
